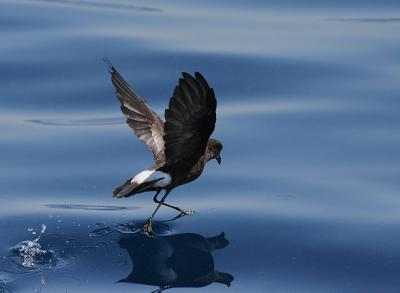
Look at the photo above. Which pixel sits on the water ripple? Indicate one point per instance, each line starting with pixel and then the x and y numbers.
pixel 87 207
pixel 260 106
pixel 78 122
pixel 6 287
pixel 129 228
pixel 368 19
pixel 100 4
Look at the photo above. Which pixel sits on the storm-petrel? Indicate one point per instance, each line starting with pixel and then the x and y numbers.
pixel 181 145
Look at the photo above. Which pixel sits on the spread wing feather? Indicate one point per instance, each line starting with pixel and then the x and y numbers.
pixel 189 121
pixel 145 123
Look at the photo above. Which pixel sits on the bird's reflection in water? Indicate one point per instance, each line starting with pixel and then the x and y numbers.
pixel 182 260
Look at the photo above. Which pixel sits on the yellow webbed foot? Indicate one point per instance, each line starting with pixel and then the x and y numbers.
pixel 148 229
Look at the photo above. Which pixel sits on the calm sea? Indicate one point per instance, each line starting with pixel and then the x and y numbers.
pixel 307 195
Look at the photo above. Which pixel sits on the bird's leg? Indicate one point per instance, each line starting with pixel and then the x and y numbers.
pixel 148 229
pixel 182 211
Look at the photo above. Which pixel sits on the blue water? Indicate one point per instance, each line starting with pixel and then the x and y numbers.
pixel 307 194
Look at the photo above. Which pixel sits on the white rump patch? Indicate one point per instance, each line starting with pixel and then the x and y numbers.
pixel 147 175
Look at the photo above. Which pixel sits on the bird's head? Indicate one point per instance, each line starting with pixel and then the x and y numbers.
pixel 214 148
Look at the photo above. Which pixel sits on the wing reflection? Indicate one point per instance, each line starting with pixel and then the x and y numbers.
pixel 182 260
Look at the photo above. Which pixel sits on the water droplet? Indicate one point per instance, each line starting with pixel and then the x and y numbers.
pixel 31 254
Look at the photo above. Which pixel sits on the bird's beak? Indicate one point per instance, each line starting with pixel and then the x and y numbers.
pixel 218 160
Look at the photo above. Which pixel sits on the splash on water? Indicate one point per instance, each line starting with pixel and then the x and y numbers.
pixel 30 253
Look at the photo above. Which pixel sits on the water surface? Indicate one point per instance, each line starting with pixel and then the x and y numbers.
pixel 306 198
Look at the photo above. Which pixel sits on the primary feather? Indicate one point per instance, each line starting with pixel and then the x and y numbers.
pixel 190 120
pixel 145 123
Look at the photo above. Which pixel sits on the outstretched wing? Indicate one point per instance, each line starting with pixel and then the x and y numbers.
pixel 189 121
pixel 146 124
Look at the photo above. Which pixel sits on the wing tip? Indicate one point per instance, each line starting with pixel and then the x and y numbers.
pixel 201 79
pixel 110 66
pixel 196 74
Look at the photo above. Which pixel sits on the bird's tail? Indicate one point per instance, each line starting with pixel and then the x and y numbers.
pixel 125 189
pixel 130 188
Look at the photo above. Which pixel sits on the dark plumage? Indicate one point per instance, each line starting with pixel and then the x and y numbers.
pixel 181 146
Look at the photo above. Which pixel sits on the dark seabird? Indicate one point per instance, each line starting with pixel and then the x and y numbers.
pixel 181 145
